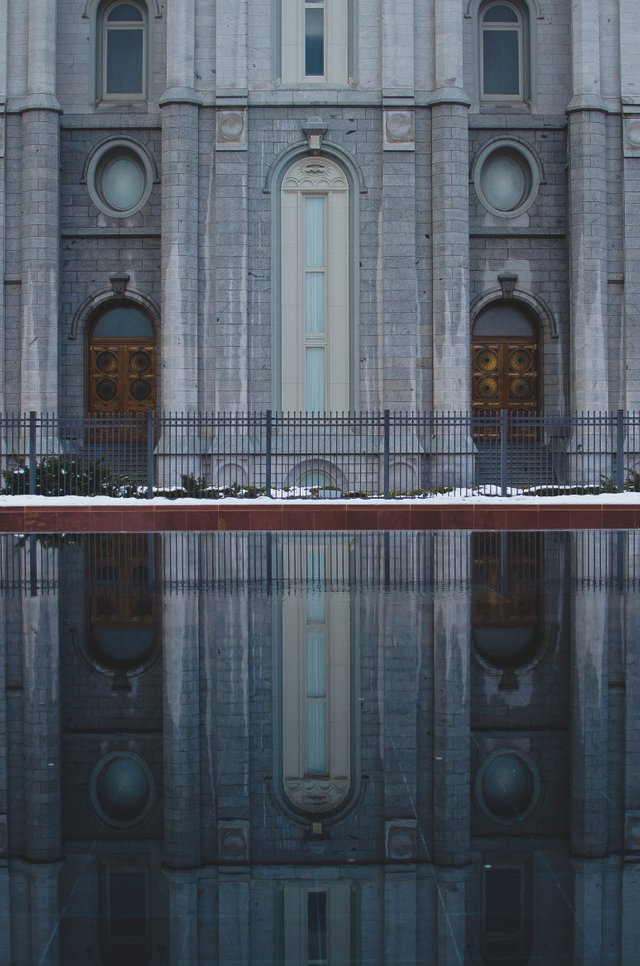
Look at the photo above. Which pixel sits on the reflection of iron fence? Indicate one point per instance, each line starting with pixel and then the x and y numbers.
pixel 372 454
pixel 500 568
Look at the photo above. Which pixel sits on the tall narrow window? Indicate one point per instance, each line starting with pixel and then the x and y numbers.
pixel 314 33
pixel 123 51
pixel 315 287
pixel 502 52
pixel 314 41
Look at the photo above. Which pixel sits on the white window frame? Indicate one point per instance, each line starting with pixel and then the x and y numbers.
pixel 315 177
pixel 520 28
pixel 293 45
pixel 103 31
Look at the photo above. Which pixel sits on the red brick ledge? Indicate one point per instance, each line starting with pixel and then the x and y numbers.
pixel 320 516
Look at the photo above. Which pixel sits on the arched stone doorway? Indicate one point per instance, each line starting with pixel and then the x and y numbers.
pixel 121 361
pixel 505 362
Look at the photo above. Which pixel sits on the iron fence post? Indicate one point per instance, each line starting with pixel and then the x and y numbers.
pixel 504 453
pixel 32 453
pixel 620 451
pixel 267 454
pixel 386 454
pixel 150 438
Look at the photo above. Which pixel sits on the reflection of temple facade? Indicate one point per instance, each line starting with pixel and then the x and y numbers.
pixel 322 749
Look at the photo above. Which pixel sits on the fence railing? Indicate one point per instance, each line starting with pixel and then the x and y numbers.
pixel 329 455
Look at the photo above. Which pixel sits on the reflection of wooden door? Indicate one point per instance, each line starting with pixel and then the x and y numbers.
pixel 122 377
pixel 505 376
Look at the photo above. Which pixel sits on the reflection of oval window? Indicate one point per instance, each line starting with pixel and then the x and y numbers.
pixel 122 790
pixel 507 786
pixel 120 178
pixel 506 179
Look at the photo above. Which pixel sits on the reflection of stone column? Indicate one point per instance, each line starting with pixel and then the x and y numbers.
pixel 400 919
pixel 589 695
pixel 41 729
pixel 234 920
pixel 451 737
pixel 631 867
pixel 589 740
pixel 5 920
pixel 40 237
pixel 181 745
pixel 183 916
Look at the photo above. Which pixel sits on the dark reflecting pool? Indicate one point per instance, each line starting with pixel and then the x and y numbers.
pixel 309 749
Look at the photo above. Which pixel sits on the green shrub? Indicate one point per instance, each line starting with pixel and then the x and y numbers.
pixel 67 476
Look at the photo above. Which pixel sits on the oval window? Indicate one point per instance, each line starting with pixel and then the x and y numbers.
pixel 120 178
pixel 506 179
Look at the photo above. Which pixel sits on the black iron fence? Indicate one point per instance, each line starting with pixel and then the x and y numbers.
pixel 388 454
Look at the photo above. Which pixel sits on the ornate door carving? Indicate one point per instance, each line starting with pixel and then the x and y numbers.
pixel 122 377
pixel 505 376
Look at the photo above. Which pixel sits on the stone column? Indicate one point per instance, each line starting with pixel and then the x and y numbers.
pixel 40 199
pixel 231 230
pixel 4 11
pixel 450 214
pixel 181 753
pixel 588 215
pixel 179 386
pixel 398 336
pixel 451 359
pixel 629 45
pixel 451 739
pixel 42 791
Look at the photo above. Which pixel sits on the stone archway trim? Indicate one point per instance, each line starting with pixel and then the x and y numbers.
pixel 100 299
pixel 540 309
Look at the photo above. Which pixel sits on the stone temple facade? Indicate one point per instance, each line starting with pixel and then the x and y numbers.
pixel 319 205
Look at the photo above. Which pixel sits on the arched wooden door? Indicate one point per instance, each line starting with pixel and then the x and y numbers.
pixel 505 364
pixel 122 363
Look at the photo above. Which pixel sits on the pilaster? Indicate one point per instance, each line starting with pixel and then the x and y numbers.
pixel 179 260
pixel 40 234
pixel 588 215
pixel 450 214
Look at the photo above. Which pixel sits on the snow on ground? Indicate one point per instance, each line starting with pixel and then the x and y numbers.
pixel 485 495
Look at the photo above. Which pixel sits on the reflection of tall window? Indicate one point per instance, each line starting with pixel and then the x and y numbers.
pixel 316 688
pixel 314 41
pixel 506 920
pixel 317 925
pixel 315 287
pixel 502 52
pixel 125 922
pixel 123 53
